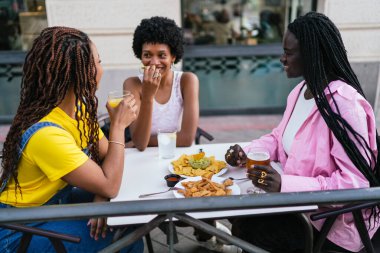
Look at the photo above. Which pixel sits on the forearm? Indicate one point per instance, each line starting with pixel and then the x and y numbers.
pixel 113 163
pixel 142 126
pixel 185 139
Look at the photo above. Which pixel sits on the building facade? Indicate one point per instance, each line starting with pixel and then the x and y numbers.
pixel 239 72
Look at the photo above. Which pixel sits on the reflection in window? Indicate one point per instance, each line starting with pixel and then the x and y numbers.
pixel 20 23
pixel 238 22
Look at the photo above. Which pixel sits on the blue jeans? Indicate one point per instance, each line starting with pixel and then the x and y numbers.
pixel 10 239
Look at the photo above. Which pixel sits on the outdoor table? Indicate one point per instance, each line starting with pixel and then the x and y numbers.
pixel 144 172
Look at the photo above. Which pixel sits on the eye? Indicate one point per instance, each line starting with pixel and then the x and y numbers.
pixel 146 55
pixel 100 61
pixel 162 56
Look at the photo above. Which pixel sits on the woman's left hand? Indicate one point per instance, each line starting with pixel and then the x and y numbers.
pixel 265 177
pixel 98 227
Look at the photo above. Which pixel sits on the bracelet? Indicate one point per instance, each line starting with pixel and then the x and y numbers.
pixel 117 142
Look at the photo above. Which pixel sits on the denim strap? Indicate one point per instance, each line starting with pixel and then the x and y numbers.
pixel 24 140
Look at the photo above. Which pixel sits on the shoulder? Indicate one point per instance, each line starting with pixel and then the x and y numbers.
pixel 48 140
pixel 345 93
pixel 349 100
pixel 189 78
pixel 51 135
pixel 132 83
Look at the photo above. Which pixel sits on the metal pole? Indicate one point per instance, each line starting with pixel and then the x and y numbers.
pixel 135 235
pixel 163 206
pixel 223 235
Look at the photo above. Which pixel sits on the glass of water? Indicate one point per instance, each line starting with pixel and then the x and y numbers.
pixel 167 141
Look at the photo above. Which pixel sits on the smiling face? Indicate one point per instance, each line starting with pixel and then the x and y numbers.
pixel 158 55
pixel 291 58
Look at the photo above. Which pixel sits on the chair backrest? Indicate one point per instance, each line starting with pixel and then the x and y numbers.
pixel 104 123
pixel 356 210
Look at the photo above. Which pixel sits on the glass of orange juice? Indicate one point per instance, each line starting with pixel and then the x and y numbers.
pixel 115 97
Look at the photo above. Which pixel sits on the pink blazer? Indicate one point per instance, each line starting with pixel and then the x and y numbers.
pixel 317 161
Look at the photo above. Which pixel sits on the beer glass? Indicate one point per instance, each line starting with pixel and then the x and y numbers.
pixel 257 156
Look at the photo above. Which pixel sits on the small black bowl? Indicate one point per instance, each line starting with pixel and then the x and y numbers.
pixel 172 179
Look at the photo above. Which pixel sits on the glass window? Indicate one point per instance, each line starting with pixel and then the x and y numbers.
pixel 20 22
pixel 238 22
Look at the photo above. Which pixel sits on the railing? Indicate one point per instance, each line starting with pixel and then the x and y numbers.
pixel 169 208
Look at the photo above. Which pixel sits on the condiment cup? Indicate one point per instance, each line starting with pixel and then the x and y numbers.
pixel 172 179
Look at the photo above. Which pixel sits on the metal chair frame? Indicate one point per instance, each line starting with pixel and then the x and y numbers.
pixel 332 215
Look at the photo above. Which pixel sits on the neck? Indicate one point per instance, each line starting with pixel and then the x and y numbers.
pixel 167 80
pixel 68 104
pixel 308 95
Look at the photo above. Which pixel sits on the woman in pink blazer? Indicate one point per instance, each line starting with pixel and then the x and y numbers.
pixel 326 140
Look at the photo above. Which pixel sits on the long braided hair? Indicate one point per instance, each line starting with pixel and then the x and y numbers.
pixel 59 61
pixel 325 59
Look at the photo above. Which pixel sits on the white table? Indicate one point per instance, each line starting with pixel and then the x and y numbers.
pixel 144 173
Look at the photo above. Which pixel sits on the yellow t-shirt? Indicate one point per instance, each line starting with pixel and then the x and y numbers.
pixel 50 154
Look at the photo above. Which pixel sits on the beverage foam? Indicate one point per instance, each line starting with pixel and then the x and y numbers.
pixel 258 156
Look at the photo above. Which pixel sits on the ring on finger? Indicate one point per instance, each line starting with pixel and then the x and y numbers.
pixel 263 174
pixel 261 181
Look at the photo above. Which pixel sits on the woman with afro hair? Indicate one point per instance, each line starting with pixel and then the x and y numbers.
pixel 166 99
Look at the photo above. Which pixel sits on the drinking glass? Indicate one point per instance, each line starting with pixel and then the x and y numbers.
pixel 257 156
pixel 115 97
pixel 167 141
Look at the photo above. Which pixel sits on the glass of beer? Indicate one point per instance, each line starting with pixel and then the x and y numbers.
pixel 257 156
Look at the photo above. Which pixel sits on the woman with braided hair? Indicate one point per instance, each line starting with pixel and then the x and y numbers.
pixel 55 152
pixel 326 140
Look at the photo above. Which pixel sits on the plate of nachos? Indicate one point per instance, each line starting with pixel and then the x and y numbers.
pixel 197 165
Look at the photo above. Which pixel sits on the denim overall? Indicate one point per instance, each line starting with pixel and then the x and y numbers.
pixel 10 240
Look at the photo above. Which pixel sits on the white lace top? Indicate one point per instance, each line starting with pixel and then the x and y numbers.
pixel 168 116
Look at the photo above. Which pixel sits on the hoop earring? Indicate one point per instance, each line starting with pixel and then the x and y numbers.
pixel 172 67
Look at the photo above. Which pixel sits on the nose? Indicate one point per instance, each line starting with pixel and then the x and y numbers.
pixel 154 61
pixel 282 59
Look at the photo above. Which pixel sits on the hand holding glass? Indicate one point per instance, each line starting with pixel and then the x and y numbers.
pixel 115 97
pixel 257 156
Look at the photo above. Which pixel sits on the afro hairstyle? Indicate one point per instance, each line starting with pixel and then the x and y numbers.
pixel 159 30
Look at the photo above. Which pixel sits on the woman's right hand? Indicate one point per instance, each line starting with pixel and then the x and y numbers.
pixel 124 113
pixel 235 156
pixel 151 81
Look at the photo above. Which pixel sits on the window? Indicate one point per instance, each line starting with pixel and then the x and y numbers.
pixel 239 22
pixel 20 22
